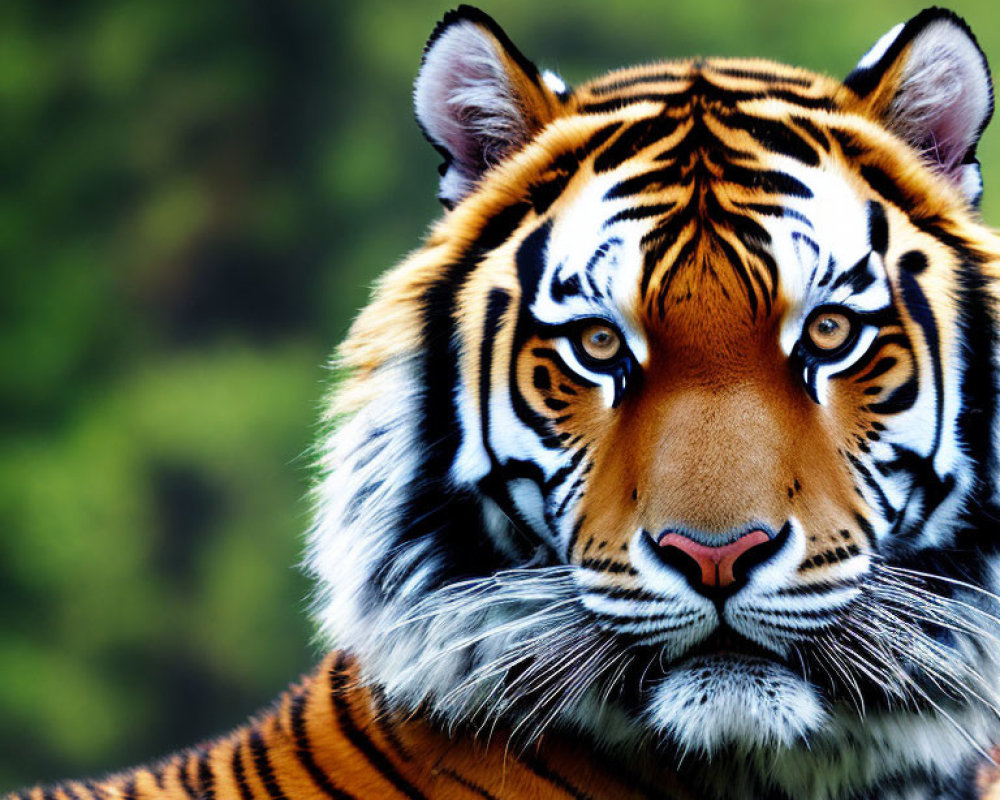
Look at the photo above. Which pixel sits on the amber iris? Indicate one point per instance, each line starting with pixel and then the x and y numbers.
pixel 829 331
pixel 600 342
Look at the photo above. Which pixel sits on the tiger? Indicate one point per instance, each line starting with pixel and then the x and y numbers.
pixel 667 466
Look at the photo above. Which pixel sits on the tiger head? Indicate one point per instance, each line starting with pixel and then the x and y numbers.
pixel 680 428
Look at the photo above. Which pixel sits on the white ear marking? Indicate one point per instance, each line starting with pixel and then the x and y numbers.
pixel 554 82
pixel 872 57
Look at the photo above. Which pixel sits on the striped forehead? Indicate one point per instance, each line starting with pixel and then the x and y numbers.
pixel 619 254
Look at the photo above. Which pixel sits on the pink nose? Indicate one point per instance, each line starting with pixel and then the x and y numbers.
pixel 716 563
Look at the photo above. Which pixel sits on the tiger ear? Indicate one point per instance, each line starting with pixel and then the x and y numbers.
pixel 478 99
pixel 928 82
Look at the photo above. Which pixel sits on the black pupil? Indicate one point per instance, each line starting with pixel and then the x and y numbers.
pixel 828 326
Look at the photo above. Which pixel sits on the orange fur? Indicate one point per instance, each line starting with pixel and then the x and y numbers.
pixel 329 738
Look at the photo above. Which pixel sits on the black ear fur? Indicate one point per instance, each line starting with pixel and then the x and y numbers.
pixel 477 98
pixel 928 82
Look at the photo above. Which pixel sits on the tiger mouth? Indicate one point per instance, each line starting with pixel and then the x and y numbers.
pixel 725 642
pixel 723 645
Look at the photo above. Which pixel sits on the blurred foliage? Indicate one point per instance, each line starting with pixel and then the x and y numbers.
pixel 194 197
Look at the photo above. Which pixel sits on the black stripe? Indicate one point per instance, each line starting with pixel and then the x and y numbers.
pixel 185 776
pixel 859 277
pixel 774 136
pixel 878 228
pixel 575 533
pixel 920 311
pixel 599 255
pixel 206 780
pixel 750 233
pixel 888 512
pixel 95 789
pixel 760 75
pixel 813 131
pixel 766 181
pixel 475 788
pixel 262 764
pixel 683 256
pixel 634 139
pixel 496 306
pixel 615 620
pixel 703 88
pixel 736 264
pixel 772 210
pixel 383 719
pixel 552 356
pixel 653 180
pixel 977 417
pixel 572 493
pixel 607 565
pixel 617 103
pixel 901 399
pixel 662 76
pixel 880 181
pixel 820 587
pixel 867 530
pixel 560 475
pixel 158 777
pixel 619 593
pixel 68 790
pixel 864 360
pixel 881 367
pixel 544 771
pixel 360 740
pixel 640 212
pixel 239 774
pixel 558 173
pixel 530 261
pixel 658 242
pixel 303 751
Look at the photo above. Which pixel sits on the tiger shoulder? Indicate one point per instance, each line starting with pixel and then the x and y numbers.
pixel 667 466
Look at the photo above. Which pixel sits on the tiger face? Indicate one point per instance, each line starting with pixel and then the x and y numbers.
pixel 680 428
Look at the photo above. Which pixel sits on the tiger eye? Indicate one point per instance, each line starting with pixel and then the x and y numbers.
pixel 601 342
pixel 829 330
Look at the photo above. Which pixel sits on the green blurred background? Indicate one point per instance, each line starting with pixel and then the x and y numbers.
pixel 194 198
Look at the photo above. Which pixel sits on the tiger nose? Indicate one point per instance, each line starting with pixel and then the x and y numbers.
pixel 711 566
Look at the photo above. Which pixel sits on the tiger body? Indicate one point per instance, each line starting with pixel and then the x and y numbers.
pixel 672 449
pixel 331 738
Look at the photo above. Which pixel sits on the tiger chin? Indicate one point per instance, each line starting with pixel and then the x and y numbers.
pixel 677 437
